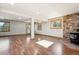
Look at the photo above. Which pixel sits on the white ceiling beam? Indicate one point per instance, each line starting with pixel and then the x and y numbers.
pixel 13 13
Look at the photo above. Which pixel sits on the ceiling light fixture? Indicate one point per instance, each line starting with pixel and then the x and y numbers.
pixel 12 3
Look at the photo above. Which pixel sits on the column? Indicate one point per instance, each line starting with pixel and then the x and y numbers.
pixel 32 28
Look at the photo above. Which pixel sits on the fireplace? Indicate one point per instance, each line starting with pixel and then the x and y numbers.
pixel 74 37
pixel 77 30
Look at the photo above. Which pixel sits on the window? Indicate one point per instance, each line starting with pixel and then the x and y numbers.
pixel 4 26
pixel 39 26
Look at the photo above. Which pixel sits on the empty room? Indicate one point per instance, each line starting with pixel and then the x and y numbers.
pixel 39 28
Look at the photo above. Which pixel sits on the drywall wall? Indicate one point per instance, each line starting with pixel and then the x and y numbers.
pixel 51 32
pixel 15 28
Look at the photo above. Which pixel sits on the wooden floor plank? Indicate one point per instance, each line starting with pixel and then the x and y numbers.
pixel 22 45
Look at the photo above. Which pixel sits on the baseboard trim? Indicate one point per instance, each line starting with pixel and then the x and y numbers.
pixel 51 36
pixel 13 35
pixel 29 34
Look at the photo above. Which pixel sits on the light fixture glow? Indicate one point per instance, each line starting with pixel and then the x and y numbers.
pixel 11 3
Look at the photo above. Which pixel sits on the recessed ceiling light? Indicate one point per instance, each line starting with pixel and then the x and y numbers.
pixel 12 3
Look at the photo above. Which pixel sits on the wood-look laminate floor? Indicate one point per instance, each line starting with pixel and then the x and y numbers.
pixel 23 45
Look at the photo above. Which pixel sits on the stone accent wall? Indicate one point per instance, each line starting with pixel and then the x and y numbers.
pixel 70 24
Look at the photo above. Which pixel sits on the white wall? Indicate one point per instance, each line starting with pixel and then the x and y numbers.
pixel 52 32
pixel 20 28
pixel 15 28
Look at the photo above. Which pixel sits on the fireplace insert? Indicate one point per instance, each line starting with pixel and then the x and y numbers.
pixel 74 38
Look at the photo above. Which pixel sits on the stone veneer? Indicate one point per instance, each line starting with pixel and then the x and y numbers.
pixel 70 24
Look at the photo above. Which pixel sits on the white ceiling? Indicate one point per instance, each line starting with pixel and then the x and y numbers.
pixel 38 11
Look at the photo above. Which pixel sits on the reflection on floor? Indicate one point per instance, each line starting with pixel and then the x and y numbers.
pixel 23 45
pixel 4 46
